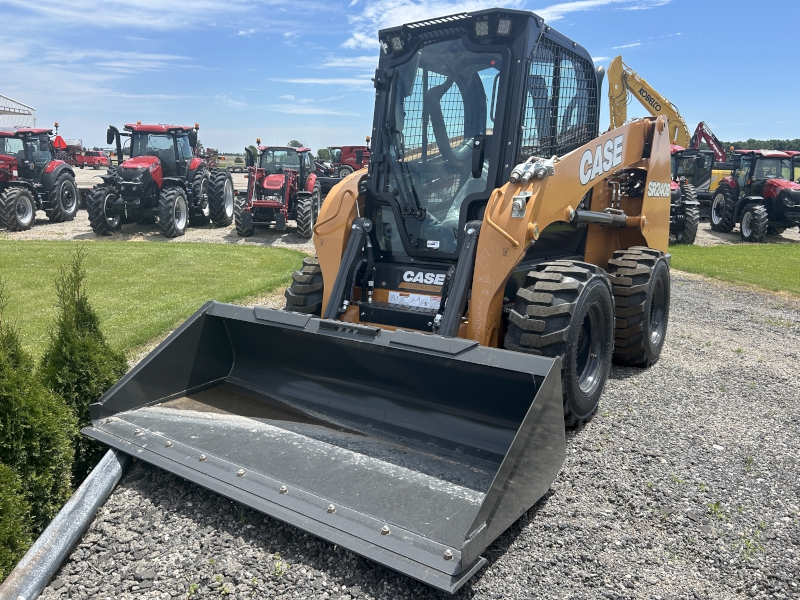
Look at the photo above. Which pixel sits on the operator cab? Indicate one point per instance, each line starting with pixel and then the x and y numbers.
pixel 755 168
pixel 694 166
pixel 31 148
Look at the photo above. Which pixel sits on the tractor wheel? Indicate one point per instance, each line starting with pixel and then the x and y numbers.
pixel 722 207
pixel 63 199
pixel 754 223
pixel 17 208
pixel 773 230
pixel 221 197
pixel 199 213
pixel 143 219
pixel 344 171
pixel 305 293
pixel 96 203
pixel 640 277
pixel 238 212
pixel 173 212
pixel 566 310
pixel 689 220
pixel 307 212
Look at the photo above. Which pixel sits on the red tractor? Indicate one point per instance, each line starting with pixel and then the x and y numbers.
pixel 761 195
pixel 160 180
pixel 32 179
pixel 281 186
pixel 345 160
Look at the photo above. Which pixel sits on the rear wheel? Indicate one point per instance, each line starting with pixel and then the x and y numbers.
pixel 307 212
pixel 17 208
pixel 722 210
pixel 754 223
pixel 98 203
pixel 199 213
pixel 173 212
pixel 640 279
pixel 63 199
pixel 239 211
pixel 221 198
pixel 566 310
pixel 344 171
pixel 305 293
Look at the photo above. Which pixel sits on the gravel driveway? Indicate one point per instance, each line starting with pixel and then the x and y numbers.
pixel 685 485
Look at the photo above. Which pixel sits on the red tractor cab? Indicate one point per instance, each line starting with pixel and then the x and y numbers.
pixel 762 195
pixel 159 179
pixel 344 160
pixel 32 179
pixel 281 186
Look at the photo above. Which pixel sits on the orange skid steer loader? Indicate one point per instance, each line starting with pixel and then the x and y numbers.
pixel 471 288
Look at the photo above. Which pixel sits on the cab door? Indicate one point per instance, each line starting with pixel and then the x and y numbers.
pixel 742 175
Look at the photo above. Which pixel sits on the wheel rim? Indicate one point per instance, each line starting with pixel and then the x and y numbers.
pixel 67 196
pixel 204 198
pixel 747 224
pixel 113 220
pixel 228 193
pixel 179 213
pixel 658 308
pixel 716 209
pixel 590 350
pixel 24 210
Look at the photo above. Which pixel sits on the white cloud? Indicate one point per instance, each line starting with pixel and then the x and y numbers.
pixel 246 32
pixel 632 45
pixel 361 63
pixel 303 109
pixel 599 58
pixel 287 97
pixel 350 82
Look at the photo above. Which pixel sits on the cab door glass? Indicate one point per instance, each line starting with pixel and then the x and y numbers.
pixel 184 153
pixel 741 174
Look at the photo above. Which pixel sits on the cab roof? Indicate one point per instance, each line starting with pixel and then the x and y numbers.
pixel 141 127
pixel 264 148
pixel 22 131
pixel 765 153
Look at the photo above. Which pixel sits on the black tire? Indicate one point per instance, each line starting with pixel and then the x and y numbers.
pixel 774 230
pixel 173 212
pixel 199 213
pixel 238 211
pixel 344 171
pixel 221 197
pixel 307 212
pixel 143 219
pixel 96 202
pixel 640 278
pixel 722 207
pixel 754 223
pixel 565 310
pixel 63 199
pixel 689 219
pixel 17 208
pixel 305 293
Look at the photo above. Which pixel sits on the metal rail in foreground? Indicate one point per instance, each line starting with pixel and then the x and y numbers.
pixel 43 559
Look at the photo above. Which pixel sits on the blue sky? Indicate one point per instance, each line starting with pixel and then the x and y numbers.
pixel 281 69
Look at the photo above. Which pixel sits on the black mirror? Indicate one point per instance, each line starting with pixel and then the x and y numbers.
pixel 110 136
pixel 249 159
pixel 193 138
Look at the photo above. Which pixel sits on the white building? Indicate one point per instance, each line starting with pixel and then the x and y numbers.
pixel 16 114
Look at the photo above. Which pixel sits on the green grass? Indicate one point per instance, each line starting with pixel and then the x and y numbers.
pixel 772 266
pixel 140 290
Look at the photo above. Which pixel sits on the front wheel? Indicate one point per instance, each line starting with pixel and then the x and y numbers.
pixel 63 199
pixel 640 278
pixel 307 213
pixel 754 223
pixel 305 293
pixel 244 225
pixel 200 213
pixel 221 197
pixel 722 210
pixel 345 171
pixel 17 208
pixel 98 204
pixel 173 212
pixel 566 310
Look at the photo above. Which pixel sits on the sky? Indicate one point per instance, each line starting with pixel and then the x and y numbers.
pixel 300 69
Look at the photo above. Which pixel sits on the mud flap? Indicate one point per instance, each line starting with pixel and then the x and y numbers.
pixel 413 450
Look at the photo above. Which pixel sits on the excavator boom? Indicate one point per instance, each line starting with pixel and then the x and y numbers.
pixel 703 133
pixel 621 80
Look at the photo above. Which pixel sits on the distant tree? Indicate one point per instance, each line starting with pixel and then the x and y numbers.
pixel 238 160
pixel 324 154
pixel 199 148
pixel 753 144
pixel 295 144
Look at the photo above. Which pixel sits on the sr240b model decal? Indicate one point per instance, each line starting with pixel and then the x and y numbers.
pixel 658 189
pixel 602 160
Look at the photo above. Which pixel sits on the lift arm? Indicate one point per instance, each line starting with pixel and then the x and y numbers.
pixel 621 80
pixel 703 133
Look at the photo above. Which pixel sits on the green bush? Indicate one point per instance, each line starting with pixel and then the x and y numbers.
pixel 78 364
pixel 36 429
pixel 15 521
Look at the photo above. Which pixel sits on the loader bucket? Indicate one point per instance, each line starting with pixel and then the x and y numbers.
pixel 413 450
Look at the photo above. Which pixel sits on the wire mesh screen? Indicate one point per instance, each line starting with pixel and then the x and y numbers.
pixel 561 102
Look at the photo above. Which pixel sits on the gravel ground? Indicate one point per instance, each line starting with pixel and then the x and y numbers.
pixel 683 486
pixel 706 237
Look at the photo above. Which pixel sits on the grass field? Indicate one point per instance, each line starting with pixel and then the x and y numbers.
pixel 771 266
pixel 139 290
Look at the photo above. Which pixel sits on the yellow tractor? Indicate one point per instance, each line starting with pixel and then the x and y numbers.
pixel 471 288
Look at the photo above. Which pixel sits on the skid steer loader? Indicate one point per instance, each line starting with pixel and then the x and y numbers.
pixel 471 288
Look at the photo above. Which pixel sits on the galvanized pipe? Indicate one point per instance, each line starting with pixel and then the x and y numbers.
pixel 43 559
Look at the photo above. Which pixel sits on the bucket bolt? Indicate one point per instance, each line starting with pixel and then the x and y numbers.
pixel 203 458
pixel 385 530
pixel 240 473
pixel 283 489
pixel 137 432
pixel 168 444
pixel 331 508
pixel 448 554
